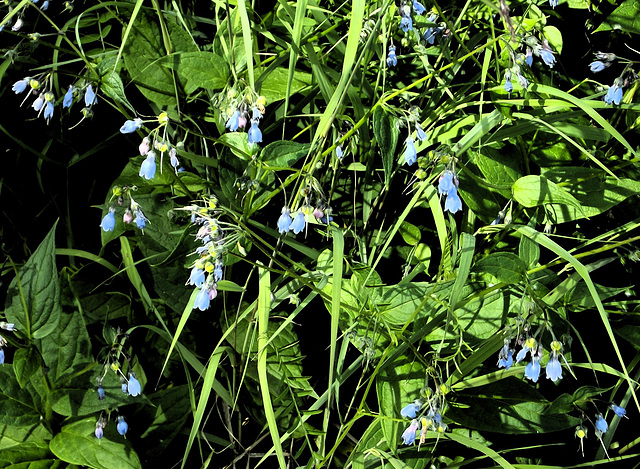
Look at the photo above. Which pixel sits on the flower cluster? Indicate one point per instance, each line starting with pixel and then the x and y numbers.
pixel 129 382
pixel 121 425
pixel 431 32
pixel 616 91
pixel 531 346
pixel 425 415
pixel 448 186
pixel 132 213
pixel 297 221
pixel 250 108
pixel 207 271
pixel 410 153
pixel 156 141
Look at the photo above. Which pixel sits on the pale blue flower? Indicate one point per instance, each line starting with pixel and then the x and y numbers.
pixel 197 277
pixel 597 66
pixel 410 410
pixel 148 167
pixel 48 110
pixel 406 24
pixel 528 57
pixel 134 385
pixel 67 101
pixel 554 368
pixel 508 86
pixel 409 435
pixel 446 183
pixel 131 126
pixel 614 94
pixel 233 122
pixel 532 370
pixel 298 223
pixel 553 3
pixel 202 301
pixel 254 134
pixel 45 5
pixel 100 393
pixel 217 272
pixel 452 202
pixel 410 154
pixel 619 411
pixel 99 432
pixel 548 57
pixel 90 96
pixel 1 356
pixel 38 103
pixel 339 152
pixel 284 222
pixel 418 7
pixel 601 424
pixel 392 59
pixel 420 134
pixel 20 85
pixel 505 357
pixel 124 387
pixel 109 221
pixel 122 426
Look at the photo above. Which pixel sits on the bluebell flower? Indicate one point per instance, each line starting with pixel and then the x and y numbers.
pixel 234 121
pixel 90 96
pixel 505 357
pixel 99 432
pixel 406 24
pixel 100 393
pixel 614 94
pixel 298 223
pixel 256 114
pixel 17 25
pixel 173 158
pixel 48 110
pixel 148 167
pixel 528 57
pixel 410 154
pixel 553 3
pixel 131 126
pixel 452 202
pixel 122 426
pixel 197 277
pixel 45 5
pixel 508 86
pixel 532 370
pixel 597 66
pixel 529 344
pixel 410 410
pixel 418 7
pixel 547 56
pixel 619 411
pixel 523 81
pixel 284 222
pixel 254 134
pixel 392 59
pixel 601 424
pixel 109 221
pixel 420 134
pixel 409 435
pixel 446 183
pixel 38 103
pixel 217 272
pixel 339 152
pixel 141 221
pixel 67 101
pixel 1 356
pixel 554 368
pixel 20 85
pixel 202 299
pixel 124 387
pixel 134 385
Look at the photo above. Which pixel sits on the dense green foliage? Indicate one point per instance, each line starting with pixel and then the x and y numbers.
pixel 333 234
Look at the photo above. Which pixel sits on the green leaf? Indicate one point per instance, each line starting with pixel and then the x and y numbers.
pixel 68 350
pixel 533 191
pixel 31 452
pixel 18 435
pixel 385 129
pixel 274 84
pixel 410 233
pixel 77 444
pixel 199 69
pixel 283 153
pixel 33 298
pixel 26 361
pixel 17 405
pixel 626 17
pixel 504 266
pixel 111 85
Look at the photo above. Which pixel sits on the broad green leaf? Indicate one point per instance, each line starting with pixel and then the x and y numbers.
pixel 17 406
pixel 77 444
pixel 410 233
pixel 500 167
pixel 554 36
pixel 626 18
pixel 33 298
pixel 504 266
pixel 26 362
pixel 29 452
pixel 529 252
pixel 199 69
pixel 385 129
pixel 283 153
pixel 533 191
pixel 13 435
pixel 274 84
pixel 111 85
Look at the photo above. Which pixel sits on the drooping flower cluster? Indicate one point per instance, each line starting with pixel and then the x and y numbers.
pixel 132 213
pixel 410 153
pixel 156 141
pixel 298 220
pixel 531 346
pixel 425 415
pixel 121 426
pixel 615 92
pixel 407 26
pixel 243 108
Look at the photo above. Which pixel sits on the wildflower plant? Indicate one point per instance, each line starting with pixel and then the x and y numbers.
pixel 357 234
